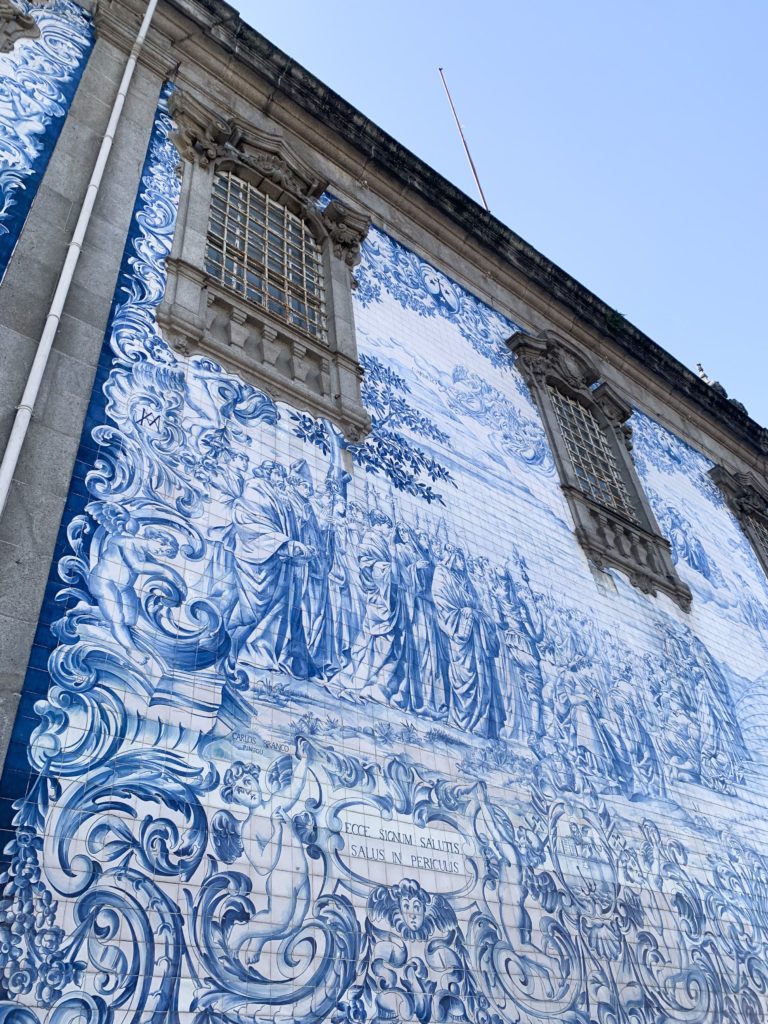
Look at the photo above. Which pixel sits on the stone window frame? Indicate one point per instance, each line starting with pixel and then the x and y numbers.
pixel 591 454
pixel 609 538
pixel 251 239
pixel 747 498
pixel 320 375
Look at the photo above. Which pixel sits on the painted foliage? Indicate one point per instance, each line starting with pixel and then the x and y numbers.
pixel 314 744
pixel 38 79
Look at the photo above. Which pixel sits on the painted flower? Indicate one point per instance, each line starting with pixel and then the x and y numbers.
pixel 20 917
pixel 50 939
pixel 25 837
pixel 18 977
pixel 28 872
pixel 53 977
pixel 44 908
pixel 10 946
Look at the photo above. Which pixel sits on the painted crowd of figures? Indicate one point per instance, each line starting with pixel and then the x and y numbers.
pixel 314 586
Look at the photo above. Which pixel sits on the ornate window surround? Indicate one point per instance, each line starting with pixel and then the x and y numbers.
pixel 199 314
pixel 609 538
pixel 14 25
pixel 258 248
pixel 747 497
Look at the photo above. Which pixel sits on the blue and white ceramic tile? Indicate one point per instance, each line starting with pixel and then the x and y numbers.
pixel 377 746
pixel 38 79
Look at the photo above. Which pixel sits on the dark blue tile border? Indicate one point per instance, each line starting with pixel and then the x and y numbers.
pixel 17 774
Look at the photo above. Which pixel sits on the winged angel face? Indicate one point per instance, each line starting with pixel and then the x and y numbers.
pixel 242 785
pixel 410 910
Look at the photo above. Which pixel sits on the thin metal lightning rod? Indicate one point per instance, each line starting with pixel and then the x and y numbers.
pixel 464 143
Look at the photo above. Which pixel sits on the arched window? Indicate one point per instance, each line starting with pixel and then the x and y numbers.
pixel 260 276
pixel 586 423
pixel 260 249
pixel 594 460
pixel 747 498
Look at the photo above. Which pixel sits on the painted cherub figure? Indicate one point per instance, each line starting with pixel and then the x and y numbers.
pixel 123 550
pixel 415 965
pixel 266 838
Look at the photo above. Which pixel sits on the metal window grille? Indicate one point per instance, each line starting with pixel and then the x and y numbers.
pixel 760 535
pixel 592 457
pixel 261 250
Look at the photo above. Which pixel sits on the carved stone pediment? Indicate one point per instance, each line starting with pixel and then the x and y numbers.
pixel 744 493
pixel 205 144
pixel 274 167
pixel 198 129
pixel 549 358
pixel 14 25
pixel 265 157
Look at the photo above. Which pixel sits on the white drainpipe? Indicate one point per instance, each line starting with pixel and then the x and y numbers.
pixel 28 399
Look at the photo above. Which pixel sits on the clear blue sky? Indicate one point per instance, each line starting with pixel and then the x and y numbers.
pixel 625 139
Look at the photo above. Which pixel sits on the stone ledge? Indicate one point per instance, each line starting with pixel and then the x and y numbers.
pixel 244 338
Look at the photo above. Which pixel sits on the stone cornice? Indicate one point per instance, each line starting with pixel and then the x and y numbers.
pixel 221 23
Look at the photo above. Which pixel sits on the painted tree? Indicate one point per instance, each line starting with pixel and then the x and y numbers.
pixel 389 449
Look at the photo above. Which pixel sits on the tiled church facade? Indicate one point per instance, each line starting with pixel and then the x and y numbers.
pixel 341 724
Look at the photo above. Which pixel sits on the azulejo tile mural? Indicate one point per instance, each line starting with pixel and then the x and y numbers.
pixel 38 79
pixel 352 733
